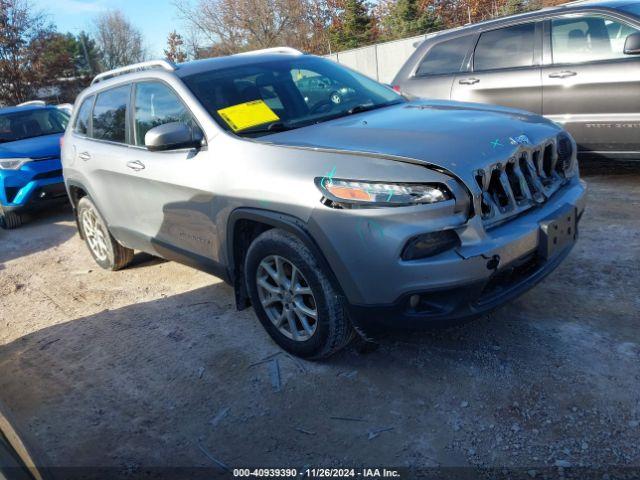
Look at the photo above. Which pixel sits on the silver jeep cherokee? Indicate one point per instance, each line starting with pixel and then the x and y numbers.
pixel 326 216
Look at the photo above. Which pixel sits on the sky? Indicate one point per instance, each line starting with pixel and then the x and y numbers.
pixel 154 18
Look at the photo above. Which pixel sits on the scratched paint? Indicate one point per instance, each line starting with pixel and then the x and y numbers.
pixel 328 176
pixel 368 230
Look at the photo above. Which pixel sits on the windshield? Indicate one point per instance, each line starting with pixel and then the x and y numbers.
pixel 267 97
pixel 31 123
pixel 633 8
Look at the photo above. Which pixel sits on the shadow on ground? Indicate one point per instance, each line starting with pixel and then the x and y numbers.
pixel 45 231
pixel 183 379
pixel 605 167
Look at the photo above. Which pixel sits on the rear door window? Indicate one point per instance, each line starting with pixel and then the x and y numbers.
pixel 446 57
pixel 84 115
pixel 110 115
pixel 510 47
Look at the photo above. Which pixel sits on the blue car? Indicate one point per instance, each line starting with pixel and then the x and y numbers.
pixel 30 169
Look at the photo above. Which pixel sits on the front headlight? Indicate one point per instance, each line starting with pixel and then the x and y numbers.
pixel 381 194
pixel 12 163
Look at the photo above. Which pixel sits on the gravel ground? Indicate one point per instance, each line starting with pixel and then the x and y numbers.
pixel 153 367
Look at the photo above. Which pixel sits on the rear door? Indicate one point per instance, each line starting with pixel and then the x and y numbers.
pixel 104 155
pixel 590 85
pixel 505 69
pixel 435 72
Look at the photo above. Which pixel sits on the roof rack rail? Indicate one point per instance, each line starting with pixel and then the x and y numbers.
pixel 32 102
pixel 136 67
pixel 283 50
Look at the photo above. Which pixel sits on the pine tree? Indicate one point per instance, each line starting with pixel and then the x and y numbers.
pixel 175 51
pixel 405 19
pixel 355 28
pixel 87 57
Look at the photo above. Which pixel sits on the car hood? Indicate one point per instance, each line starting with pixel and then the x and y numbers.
pixel 35 147
pixel 458 137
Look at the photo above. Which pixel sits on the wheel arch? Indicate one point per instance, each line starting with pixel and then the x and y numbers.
pixel 75 191
pixel 259 221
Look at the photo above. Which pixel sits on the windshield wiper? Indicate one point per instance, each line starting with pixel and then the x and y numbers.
pixel 361 108
pixel 365 107
pixel 272 128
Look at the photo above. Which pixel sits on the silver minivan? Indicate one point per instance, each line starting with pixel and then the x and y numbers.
pixel 577 64
pixel 329 215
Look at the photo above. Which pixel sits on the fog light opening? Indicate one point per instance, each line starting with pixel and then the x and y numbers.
pixel 430 244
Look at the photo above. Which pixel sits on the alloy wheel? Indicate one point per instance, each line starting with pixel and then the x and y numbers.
pixel 96 237
pixel 287 298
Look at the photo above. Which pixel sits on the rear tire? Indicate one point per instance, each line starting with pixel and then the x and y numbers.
pixel 9 220
pixel 291 291
pixel 105 249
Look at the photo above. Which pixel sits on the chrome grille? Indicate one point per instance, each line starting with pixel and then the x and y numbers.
pixel 528 178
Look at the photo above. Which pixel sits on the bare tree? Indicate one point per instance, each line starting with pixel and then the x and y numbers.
pixel 20 24
pixel 230 26
pixel 120 43
pixel 175 51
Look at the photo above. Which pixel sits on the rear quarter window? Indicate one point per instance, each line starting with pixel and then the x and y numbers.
pixel 81 125
pixel 110 115
pixel 446 57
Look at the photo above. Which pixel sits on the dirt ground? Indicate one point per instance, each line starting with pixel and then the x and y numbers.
pixel 153 367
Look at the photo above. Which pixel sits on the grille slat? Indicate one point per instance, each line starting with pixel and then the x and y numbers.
pixel 529 178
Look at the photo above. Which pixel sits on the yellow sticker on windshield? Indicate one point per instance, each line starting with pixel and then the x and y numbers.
pixel 247 115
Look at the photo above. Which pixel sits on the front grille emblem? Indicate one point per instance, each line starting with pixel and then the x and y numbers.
pixel 520 140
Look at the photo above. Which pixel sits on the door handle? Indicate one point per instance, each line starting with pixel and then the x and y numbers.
pixel 562 74
pixel 136 165
pixel 469 81
pixel 84 156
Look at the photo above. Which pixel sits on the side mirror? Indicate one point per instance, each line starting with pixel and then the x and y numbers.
pixel 172 136
pixel 632 44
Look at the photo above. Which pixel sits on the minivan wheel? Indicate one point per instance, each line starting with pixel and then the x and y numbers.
pixel 9 220
pixel 293 297
pixel 105 249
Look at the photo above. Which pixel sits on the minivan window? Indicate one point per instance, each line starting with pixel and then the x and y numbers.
pixel 588 39
pixel 110 115
pixel 84 114
pixel 509 47
pixel 156 104
pixel 446 57
pixel 272 95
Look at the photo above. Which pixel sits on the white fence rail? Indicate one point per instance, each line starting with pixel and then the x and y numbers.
pixel 380 61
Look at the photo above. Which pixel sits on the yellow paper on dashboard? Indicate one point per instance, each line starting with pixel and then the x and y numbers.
pixel 247 115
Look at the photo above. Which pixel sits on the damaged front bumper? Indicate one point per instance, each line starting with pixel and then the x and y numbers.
pixel 489 268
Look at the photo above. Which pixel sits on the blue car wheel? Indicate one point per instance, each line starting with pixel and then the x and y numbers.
pixel 9 220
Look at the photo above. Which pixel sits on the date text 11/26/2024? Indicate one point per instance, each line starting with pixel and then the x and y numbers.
pixel 373 473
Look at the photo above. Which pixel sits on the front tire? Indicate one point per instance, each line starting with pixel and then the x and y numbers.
pixel 9 220
pixel 294 298
pixel 105 249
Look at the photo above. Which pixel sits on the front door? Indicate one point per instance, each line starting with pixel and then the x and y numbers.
pixel 590 85
pixel 173 204
pixel 505 69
